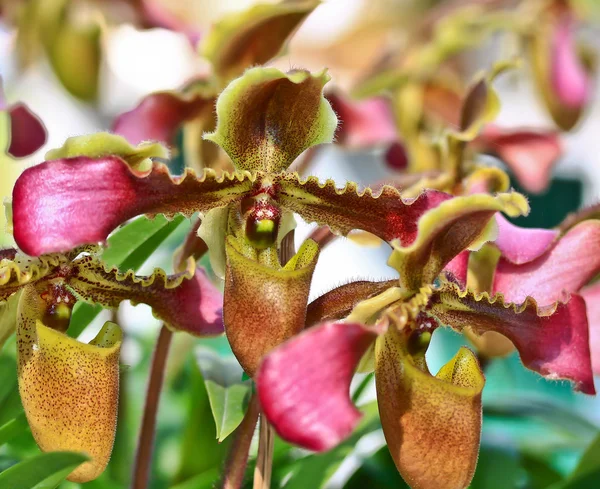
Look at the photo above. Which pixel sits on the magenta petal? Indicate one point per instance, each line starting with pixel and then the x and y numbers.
pixel 458 267
pixel 158 117
pixel 530 154
pixel 27 133
pixel 568 76
pixel 365 123
pixel 591 294
pixel 568 265
pixel 156 15
pixel 396 156
pixel 521 245
pixel 61 204
pixel 304 384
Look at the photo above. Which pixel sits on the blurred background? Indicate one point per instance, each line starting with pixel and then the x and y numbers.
pixel 535 431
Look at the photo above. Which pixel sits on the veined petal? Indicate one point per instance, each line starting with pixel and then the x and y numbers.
pixel 521 245
pixel 54 202
pixel 591 295
pixel 69 389
pixel 446 231
pixel 264 306
pixel 339 302
pixel 304 384
pixel 530 154
pixel 266 118
pixel 20 270
pixel 552 340
pixel 384 213
pixel 27 132
pixel 252 37
pixel 571 262
pixel 159 115
pixel 186 301
pixel 432 425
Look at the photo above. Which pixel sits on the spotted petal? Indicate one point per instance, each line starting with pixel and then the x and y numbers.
pixel 64 203
pixel 252 37
pixel 551 340
pixel 69 390
pixel 264 306
pixel 266 118
pixel 186 301
pixel 447 230
pixel 303 384
pixel 432 424
pixel 383 213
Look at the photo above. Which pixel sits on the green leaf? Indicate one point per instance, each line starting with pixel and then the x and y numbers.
pixel 228 396
pixel 128 249
pixel 44 471
pixel 13 428
pixel 587 473
pixel 497 469
pixel 205 480
pixel 377 471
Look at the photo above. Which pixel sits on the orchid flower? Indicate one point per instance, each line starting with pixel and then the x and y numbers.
pixel 431 422
pixel 81 380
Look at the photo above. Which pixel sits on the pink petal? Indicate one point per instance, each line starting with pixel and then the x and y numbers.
pixel 156 15
pixel 304 384
pixel 521 245
pixel 365 123
pixel 27 133
pixel 396 157
pixel 568 265
pixel 569 78
pixel 530 154
pixel 158 117
pixel 591 294
pixel 458 267
pixel 61 204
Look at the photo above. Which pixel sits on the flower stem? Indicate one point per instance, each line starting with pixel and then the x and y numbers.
pixel 143 457
pixel 237 458
pixel 264 459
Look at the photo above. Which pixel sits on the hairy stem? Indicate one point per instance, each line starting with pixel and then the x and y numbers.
pixel 264 459
pixel 143 456
pixel 237 458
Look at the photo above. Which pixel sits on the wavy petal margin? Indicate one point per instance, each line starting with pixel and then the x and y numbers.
pixel 383 213
pixel 552 341
pixel 159 116
pixel 20 270
pixel 432 424
pixel 61 204
pixel 264 306
pixel 254 36
pixel 304 384
pixel 69 390
pixel 186 301
pixel 266 118
pixel 447 230
pixel 570 263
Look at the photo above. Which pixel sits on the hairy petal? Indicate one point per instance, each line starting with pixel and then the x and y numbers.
pixel 159 115
pixel 591 295
pixel 186 301
pixel 571 262
pixel 432 425
pixel 304 384
pixel 252 37
pixel 27 133
pixel 69 389
pixel 521 245
pixel 530 154
pixel 339 302
pixel 65 203
pixel 383 213
pixel 265 306
pixel 552 340
pixel 266 118
pixel 447 230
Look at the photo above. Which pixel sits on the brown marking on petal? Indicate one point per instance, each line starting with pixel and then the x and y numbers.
pixel 264 306
pixel 432 425
pixel 65 203
pixel 69 389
